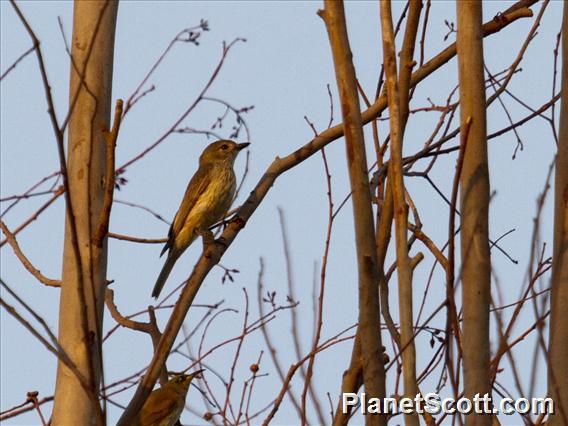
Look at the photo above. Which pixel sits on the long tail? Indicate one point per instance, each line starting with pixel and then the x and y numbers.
pixel 164 274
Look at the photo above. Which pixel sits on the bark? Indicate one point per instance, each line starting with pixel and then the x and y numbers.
pixel 85 254
pixel 558 350
pixel 369 312
pixel 474 203
pixel 398 115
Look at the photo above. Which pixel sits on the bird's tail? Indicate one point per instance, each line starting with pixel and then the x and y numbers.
pixel 164 274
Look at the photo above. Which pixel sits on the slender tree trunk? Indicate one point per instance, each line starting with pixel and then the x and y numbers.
pixel 474 201
pixel 398 113
pixel 558 351
pixel 84 271
pixel 369 313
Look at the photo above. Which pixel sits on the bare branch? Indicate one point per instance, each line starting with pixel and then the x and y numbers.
pixel 27 264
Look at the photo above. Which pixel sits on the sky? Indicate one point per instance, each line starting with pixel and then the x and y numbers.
pixel 283 70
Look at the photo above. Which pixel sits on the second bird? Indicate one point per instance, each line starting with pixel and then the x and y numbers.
pixel 207 199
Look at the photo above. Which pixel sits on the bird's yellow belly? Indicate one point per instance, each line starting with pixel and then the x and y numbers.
pixel 209 209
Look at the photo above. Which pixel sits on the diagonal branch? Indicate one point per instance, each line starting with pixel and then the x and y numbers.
pixel 211 256
pixel 25 261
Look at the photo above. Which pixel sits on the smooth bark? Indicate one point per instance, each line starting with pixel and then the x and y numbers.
pixel 397 119
pixel 369 312
pixel 84 271
pixel 558 349
pixel 474 206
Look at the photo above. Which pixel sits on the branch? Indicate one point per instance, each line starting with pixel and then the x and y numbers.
pixel 111 137
pixel 179 120
pixel 24 407
pixel 395 172
pixel 136 239
pixel 474 207
pixel 351 382
pixel 27 264
pixel 319 314
pixel 121 320
pixel 452 325
pixel 369 311
pixel 39 211
pixel 150 328
pixel 213 254
pixel 17 61
pixel 558 353
pixel 328 343
pixel 54 348
pixel 269 344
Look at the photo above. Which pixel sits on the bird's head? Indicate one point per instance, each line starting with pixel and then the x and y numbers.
pixel 181 382
pixel 222 151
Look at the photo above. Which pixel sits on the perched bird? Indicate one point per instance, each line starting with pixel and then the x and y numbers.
pixel 165 404
pixel 207 198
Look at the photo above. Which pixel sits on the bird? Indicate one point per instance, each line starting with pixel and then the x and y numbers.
pixel 207 199
pixel 165 404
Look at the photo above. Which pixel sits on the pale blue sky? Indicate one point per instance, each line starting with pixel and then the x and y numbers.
pixel 282 70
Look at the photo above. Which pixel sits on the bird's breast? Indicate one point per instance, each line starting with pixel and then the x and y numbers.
pixel 216 199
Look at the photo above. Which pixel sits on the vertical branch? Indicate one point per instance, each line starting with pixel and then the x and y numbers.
pixel 474 203
pixel 452 323
pixel 397 120
pixel 295 328
pixel 271 348
pixel 407 61
pixel 319 316
pixel 384 225
pixel 109 180
pixel 350 383
pixel 558 350
pixel 369 312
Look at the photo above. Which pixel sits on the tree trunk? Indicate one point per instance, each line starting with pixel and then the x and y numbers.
pixel 474 203
pixel 84 271
pixel 369 313
pixel 398 97
pixel 558 351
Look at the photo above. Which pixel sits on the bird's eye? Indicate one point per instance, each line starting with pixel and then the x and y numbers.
pixel 224 146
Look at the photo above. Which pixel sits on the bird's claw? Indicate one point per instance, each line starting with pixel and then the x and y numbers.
pixel 239 221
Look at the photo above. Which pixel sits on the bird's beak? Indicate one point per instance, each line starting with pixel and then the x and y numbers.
pixel 196 373
pixel 242 145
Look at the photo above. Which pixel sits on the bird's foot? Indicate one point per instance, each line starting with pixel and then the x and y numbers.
pixel 209 242
pixel 237 220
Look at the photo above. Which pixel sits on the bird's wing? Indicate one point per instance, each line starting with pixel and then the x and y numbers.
pixel 196 186
pixel 158 409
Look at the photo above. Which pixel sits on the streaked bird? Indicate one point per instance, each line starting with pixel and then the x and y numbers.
pixel 165 404
pixel 207 199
